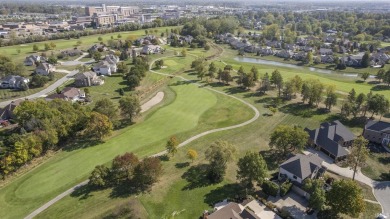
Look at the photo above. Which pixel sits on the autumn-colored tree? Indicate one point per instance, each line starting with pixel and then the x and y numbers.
pixel 98 126
pixel 171 145
pixel 192 154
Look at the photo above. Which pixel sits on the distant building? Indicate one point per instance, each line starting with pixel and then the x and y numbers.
pixel 7 112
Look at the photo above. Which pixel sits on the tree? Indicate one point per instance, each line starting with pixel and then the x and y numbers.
pixel 39 81
pixel 47 46
pixel 122 67
pixel 346 197
pixel 98 126
pixel 122 167
pixel 121 92
pixel 218 154
pixel 309 58
pixel 99 177
pixel 255 73
pixel 53 45
pixel 226 77
pixel 273 110
pixel 317 193
pixel 212 70
pixel 352 96
pixel 365 60
pixel 331 97
pixel 312 91
pixel 100 39
pixel 119 36
pixel 377 104
pixel 35 48
pixel 147 172
pixel 265 83
pixel 133 81
pixel 184 52
pixel 251 168
pixel 386 78
pixel 207 47
pixel 358 155
pixel 106 107
pixel 172 145
pixel 380 74
pixel 52 60
pixel 288 138
pixel 248 81
pixel 97 56
pixel 192 154
pixel 130 107
pixel 79 42
pixel 277 80
pixel 241 73
pixel 365 75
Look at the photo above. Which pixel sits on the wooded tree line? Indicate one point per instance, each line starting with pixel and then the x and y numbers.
pixel 50 125
pixel 137 72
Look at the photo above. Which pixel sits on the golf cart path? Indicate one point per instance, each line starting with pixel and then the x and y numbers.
pixel 149 104
pixel 153 100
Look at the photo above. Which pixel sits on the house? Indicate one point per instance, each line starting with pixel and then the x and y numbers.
pixel 300 56
pixel 353 61
pixel 44 69
pixel 32 59
pixel 301 167
pixel 332 138
pixel 112 58
pixel 97 48
pixel 105 67
pixel 87 79
pixel 327 59
pixel 324 51
pixel 377 132
pixel 69 94
pixel 72 52
pixel 379 59
pixel 251 49
pixel 151 49
pixel 274 44
pixel 284 54
pixel 135 52
pixel 248 209
pixel 13 82
pixel 7 112
pixel 266 51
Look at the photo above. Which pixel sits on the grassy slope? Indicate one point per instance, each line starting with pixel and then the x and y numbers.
pixel 68 167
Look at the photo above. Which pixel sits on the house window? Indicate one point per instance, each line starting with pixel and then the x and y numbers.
pixel 295 177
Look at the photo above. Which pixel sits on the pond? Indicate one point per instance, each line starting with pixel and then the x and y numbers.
pixel 281 64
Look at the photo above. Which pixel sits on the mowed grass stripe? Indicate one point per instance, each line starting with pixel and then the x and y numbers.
pixel 64 170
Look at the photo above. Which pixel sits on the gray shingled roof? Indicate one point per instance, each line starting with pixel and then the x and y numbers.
pixel 301 165
pixel 328 136
pixel 378 126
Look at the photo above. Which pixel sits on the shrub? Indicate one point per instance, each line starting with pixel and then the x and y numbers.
pixel 285 188
pixel 270 188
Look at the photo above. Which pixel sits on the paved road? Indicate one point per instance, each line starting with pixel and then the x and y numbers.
pixel 382 194
pixel 49 89
pixel 69 191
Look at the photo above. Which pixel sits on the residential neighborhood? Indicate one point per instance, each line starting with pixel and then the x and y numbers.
pixel 214 110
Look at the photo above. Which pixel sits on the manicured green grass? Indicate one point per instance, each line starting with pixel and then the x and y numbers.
pixel 70 167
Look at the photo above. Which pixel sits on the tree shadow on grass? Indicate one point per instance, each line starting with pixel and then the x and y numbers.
pixel 272 159
pixel 80 144
pixel 231 191
pixel 178 83
pixel 235 90
pixel 380 87
pixel 123 190
pixel 182 165
pixel 302 110
pixel 196 177
pixel 82 192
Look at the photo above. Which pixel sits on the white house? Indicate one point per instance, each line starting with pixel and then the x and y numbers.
pixel 13 82
pixel 151 49
pixel 300 167
pixel 105 67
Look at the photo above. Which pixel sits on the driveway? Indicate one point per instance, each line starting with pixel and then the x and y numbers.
pixel 382 194
pixel 293 203
pixel 47 90
pixel 77 61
